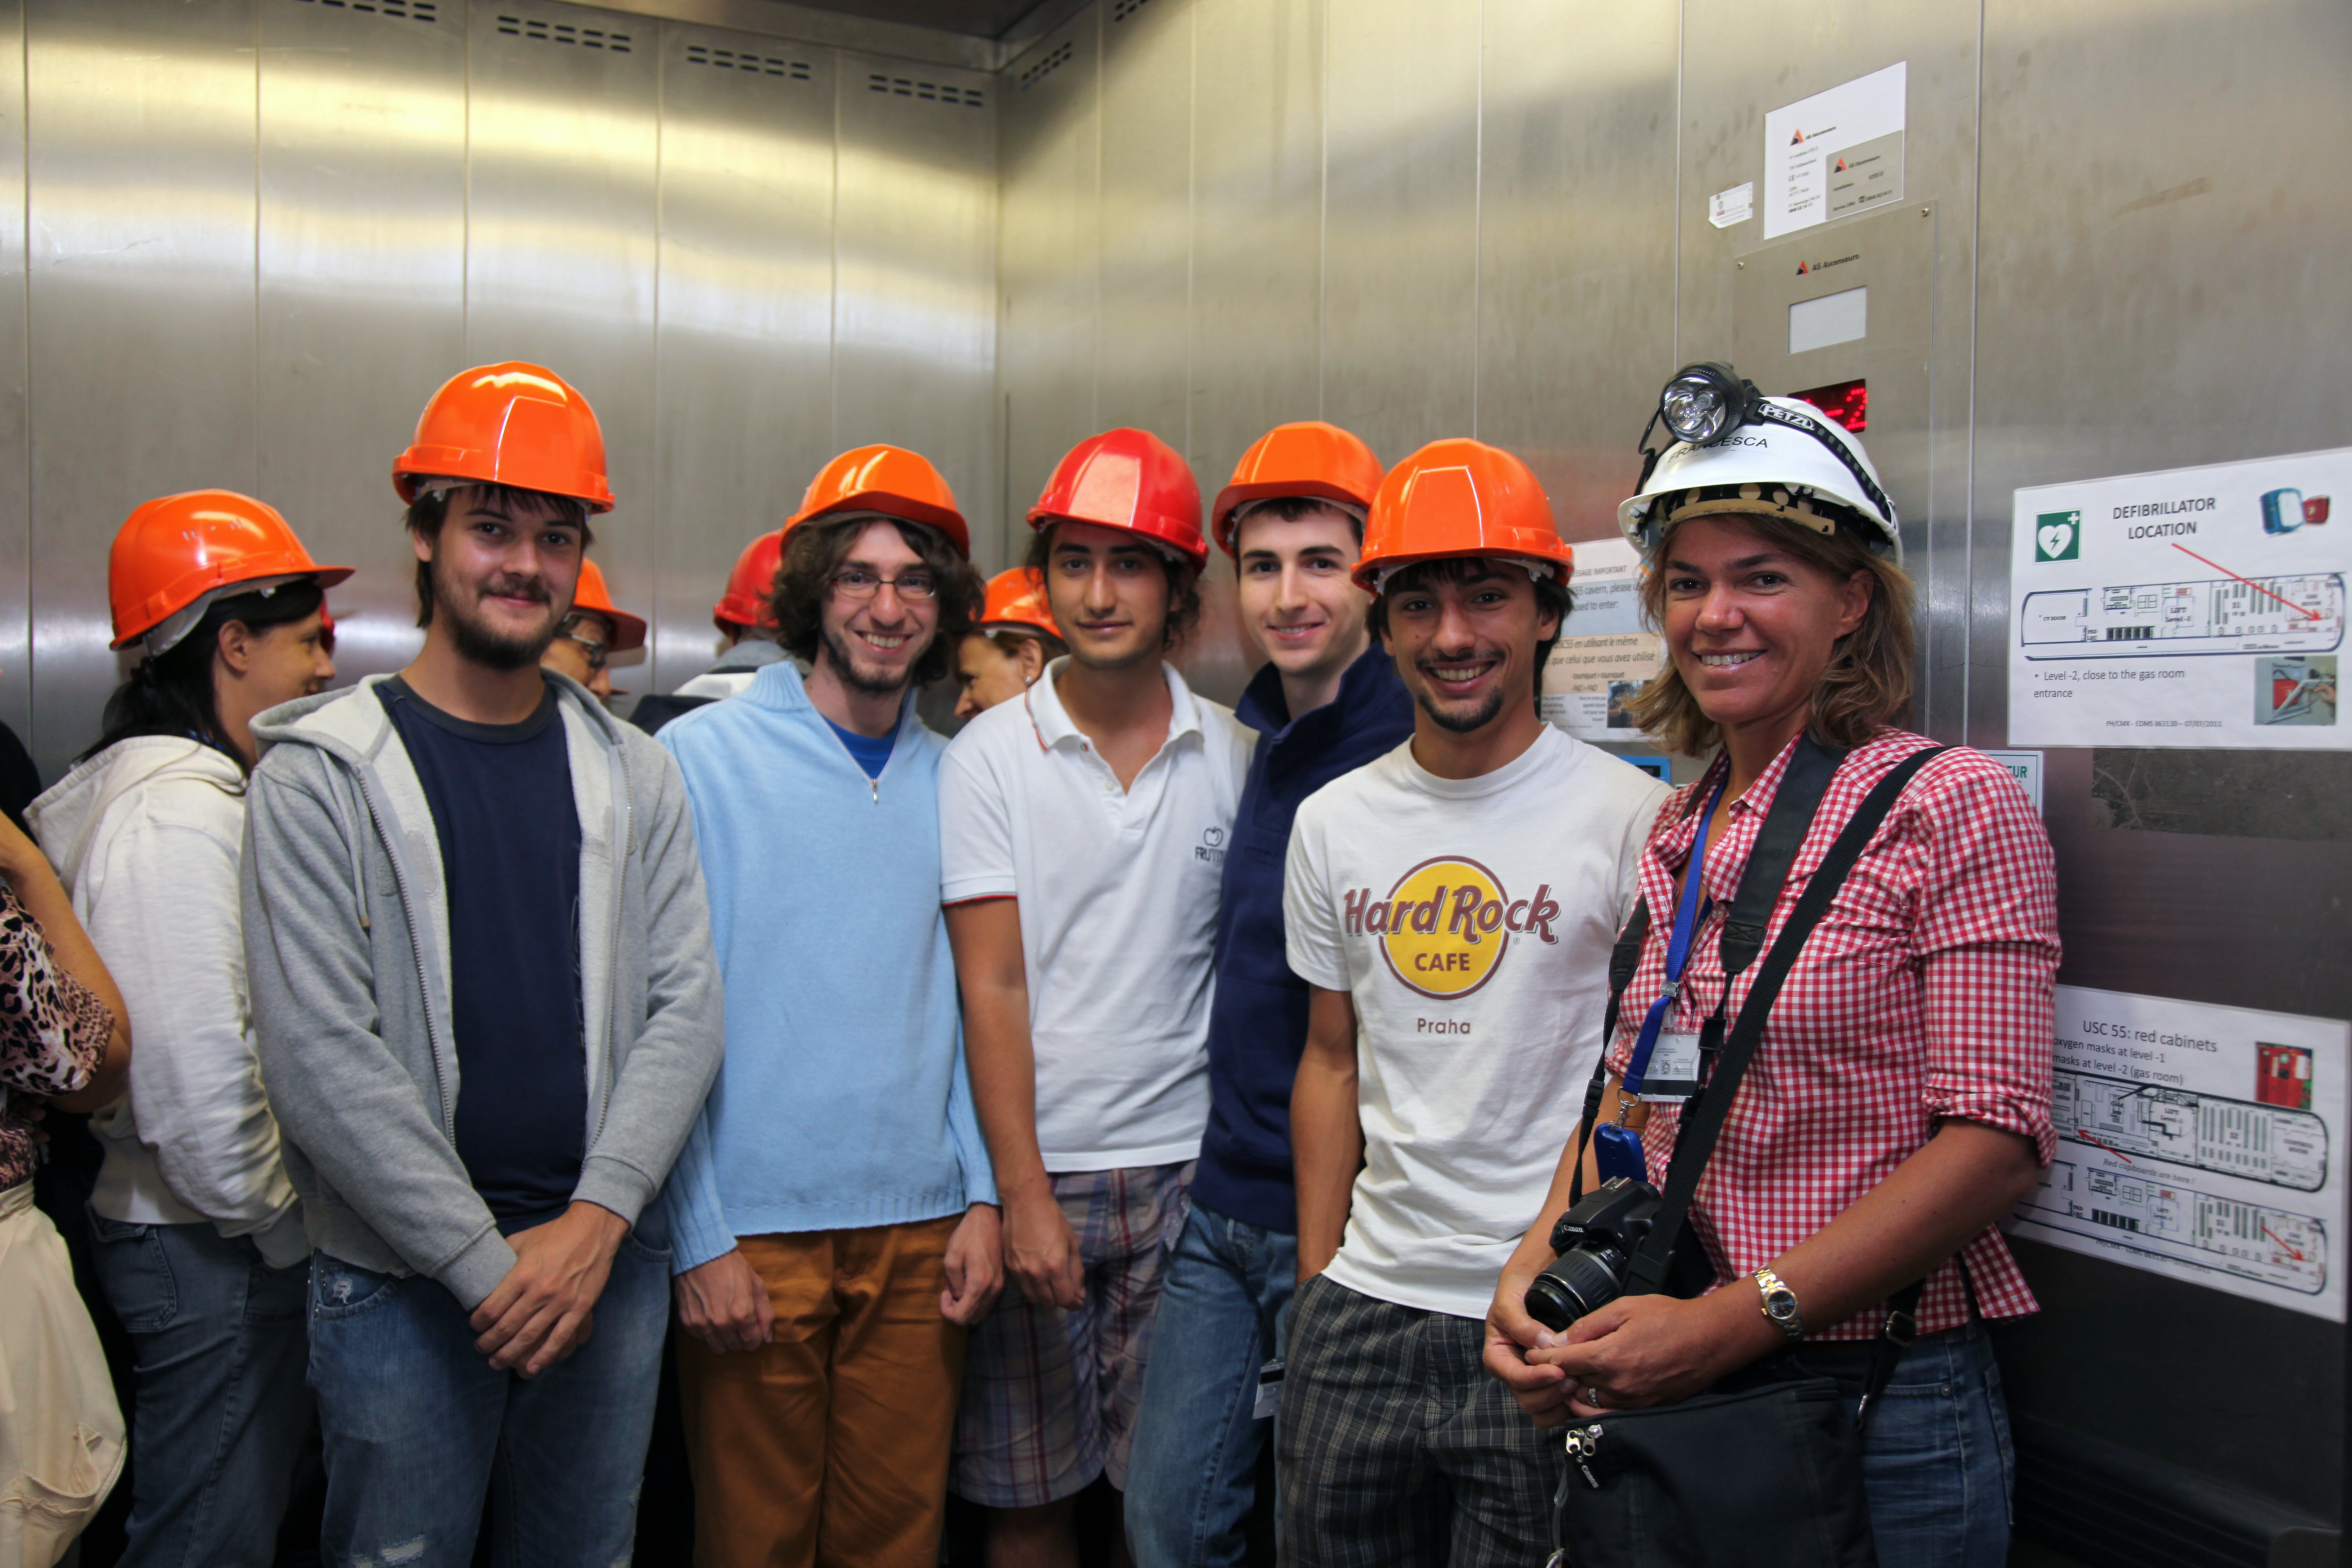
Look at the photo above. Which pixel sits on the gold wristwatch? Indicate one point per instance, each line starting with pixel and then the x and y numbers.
pixel 1780 1308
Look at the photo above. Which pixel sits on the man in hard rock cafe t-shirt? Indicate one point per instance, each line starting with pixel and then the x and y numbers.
pixel 1453 905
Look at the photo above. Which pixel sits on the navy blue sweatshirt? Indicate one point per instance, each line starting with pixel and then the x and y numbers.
pixel 1257 1024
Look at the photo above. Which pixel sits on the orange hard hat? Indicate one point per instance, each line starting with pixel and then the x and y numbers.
pixel 888 480
pixel 1305 458
pixel 1459 498
pixel 177 552
pixel 746 600
pixel 1128 480
pixel 1017 598
pixel 509 423
pixel 592 596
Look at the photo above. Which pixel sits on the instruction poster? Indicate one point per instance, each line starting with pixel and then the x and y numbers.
pixel 2193 607
pixel 1835 153
pixel 2199 1143
pixel 1604 654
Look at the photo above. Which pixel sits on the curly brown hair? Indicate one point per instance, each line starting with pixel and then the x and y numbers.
pixel 1183 584
pixel 814 550
pixel 1867 687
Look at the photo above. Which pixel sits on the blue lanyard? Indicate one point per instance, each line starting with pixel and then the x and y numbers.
pixel 1620 1148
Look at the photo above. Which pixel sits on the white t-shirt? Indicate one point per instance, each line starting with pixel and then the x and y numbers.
pixel 1118 907
pixel 1478 1019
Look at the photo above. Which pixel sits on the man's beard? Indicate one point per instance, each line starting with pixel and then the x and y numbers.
pixel 476 643
pixel 1458 721
pixel 868 680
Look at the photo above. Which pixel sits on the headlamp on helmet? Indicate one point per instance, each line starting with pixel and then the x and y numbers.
pixel 1821 478
pixel 1702 403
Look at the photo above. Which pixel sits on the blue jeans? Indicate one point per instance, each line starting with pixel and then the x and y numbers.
pixel 1222 1313
pixel 418 1429
pixel 219 1412
pixel 1935 1464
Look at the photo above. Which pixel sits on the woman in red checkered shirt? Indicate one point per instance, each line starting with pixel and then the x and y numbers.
pixel 1898 1105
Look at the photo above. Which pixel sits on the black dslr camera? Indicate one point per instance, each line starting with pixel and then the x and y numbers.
pixel 1595 1240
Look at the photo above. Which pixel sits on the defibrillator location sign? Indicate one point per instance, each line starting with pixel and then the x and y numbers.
pixel 2192 607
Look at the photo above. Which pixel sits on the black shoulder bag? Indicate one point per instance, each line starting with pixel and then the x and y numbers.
pixel 1762 1470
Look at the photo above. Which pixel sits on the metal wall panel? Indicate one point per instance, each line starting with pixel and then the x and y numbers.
pixel 915 278
pixel 1048 242
pixel 15 429
pixel 1257 267
pixel 140 162
pixel 561 251
pixel 1575 236
pixel 1740 62
pixel 2159 288
pixel 745 315
pixel 1141 359
pixel 1257 225
pixel 361 257
pixel 1401 231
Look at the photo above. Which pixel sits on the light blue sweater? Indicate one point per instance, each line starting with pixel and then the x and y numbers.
pixel 843 1100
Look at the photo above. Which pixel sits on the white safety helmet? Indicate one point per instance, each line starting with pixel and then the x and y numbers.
pixel 1774 457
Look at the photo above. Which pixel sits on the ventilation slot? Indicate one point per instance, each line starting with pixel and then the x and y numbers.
pixel 929 91
pixel 1053 61
pixel 560 33
pixel 408 10
pixel 1122 9
pixel 743 60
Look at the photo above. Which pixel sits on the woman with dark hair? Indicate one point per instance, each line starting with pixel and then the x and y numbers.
pixel 1009 646
pixel 63 1043
pixel 198 1232
pixel 1897 1104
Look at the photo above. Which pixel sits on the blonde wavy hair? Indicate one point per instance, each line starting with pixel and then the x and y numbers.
pixel 1867 687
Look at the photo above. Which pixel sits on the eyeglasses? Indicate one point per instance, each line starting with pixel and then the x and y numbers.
pixel 857 582
pixel 593 648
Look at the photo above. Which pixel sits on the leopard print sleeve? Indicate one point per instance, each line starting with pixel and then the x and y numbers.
pixel 53 1031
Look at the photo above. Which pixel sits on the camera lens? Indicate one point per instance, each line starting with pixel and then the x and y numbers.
pixel 1577 1283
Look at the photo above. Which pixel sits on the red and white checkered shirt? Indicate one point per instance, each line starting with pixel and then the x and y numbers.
pixel 1924 993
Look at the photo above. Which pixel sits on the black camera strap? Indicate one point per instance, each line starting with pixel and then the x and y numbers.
pixel 1794 805
pixel 1704 1116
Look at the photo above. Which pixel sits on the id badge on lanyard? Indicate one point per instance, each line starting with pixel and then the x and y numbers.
pixel 1664 1065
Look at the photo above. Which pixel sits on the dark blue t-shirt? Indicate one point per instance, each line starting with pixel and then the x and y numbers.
pixel 1257 1022
pixel 503 806
pixel 871 752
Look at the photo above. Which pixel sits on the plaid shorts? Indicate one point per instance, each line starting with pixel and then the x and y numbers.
pixel 1049 1395
pixel 1395 1448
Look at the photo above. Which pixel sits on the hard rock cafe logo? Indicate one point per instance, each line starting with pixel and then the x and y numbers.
pixel 1446 925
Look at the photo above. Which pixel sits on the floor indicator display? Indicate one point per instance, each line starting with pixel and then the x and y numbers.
pixel 2199 1143
pixel 1604 653
pixel 2196 607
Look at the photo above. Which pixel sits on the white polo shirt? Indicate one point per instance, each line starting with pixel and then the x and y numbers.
pixel 1118 907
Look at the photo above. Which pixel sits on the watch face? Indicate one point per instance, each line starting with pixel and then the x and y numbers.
pixel 1781 1304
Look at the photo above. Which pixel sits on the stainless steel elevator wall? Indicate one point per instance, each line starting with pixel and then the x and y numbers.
pixel 1489 217
pixel 242 240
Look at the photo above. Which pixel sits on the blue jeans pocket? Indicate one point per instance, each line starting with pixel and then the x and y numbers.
pixel 655 1255
pixel 341 1289
pixel 136 1273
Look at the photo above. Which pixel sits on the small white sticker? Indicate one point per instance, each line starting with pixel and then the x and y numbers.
pixel 1674 1068
pixel 1736 205
pixel 1269 1391
pixel 2025 767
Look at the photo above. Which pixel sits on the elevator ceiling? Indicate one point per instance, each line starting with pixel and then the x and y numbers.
pixel 976 19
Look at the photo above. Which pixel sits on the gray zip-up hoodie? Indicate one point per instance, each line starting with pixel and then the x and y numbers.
pixel 347 953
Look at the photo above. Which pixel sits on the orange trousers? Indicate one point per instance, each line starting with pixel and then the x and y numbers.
pixel 829 1444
